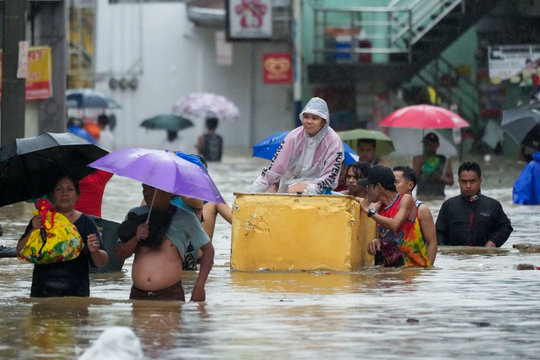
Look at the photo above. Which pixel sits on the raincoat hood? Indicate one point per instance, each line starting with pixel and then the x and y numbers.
pixel 317 106
pixel 536 156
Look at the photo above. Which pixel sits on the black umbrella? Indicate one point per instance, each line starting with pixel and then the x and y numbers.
pixel 167 122
pixel 523 124
pixel 30 168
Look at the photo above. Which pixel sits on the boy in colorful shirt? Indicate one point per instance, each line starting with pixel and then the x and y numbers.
pixel 397 217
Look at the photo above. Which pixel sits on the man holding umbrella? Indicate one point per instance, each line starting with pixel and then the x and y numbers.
pixel 159 233
pixel 159 247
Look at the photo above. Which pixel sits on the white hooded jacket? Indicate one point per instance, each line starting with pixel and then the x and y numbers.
pixel 302 159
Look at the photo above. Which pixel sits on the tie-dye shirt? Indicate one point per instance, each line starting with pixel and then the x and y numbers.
pixel 408 237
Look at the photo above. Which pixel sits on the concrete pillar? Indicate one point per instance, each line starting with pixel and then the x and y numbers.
pixel 13 89
pixel 52 112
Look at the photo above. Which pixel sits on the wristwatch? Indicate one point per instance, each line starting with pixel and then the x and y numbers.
pixel 372 211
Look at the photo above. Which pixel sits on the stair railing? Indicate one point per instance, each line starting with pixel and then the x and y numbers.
pixel 398 26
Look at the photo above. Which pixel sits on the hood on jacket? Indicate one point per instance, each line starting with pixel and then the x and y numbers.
pixel 317 106
pixel 536 156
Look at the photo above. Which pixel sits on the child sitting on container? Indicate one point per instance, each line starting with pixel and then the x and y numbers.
pixel 309 158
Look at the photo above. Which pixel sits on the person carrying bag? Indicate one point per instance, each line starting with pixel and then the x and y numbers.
pixel 58 241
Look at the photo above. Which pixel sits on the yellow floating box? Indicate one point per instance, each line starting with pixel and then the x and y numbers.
pixel 283 232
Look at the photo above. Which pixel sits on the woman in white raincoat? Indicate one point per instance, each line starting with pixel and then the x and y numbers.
pixel 309 158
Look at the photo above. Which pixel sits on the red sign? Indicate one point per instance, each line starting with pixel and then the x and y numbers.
pixel 277 68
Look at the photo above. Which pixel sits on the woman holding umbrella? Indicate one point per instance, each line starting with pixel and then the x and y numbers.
pixel 309 159
pixel 67 278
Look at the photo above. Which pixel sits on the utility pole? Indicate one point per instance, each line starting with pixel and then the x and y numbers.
pixel 297 58
pixel 13 88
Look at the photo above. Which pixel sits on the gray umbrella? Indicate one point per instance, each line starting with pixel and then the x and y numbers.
pixel 523 124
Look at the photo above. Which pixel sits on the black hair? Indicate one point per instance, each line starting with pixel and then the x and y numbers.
pixel 470 166
pixel 73 180
pixel 360 168
pixel 73 121
pixel 368 141
pixel 203 160
pixel 212 123
pixel 171 135
pixel 408 173
pixel 528 61
pixel 103 120
pixel 391 187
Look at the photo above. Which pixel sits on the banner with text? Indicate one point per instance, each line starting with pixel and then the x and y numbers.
pixel 517 63
pixel 38 80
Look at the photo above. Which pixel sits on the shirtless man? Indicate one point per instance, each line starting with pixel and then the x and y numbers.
pixel 157 271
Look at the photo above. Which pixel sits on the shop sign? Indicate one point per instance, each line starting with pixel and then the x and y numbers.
pixel 249 20
pixel 518 63
pixel 38 79
pixel 277 68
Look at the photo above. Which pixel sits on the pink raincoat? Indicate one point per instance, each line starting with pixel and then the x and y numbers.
pixel 302 159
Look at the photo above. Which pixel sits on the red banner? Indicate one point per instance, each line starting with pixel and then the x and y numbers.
pixel 277 68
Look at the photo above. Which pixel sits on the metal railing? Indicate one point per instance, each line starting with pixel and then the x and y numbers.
pixel 343 34
pixel 452 87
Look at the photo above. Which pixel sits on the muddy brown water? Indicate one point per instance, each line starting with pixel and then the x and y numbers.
pixel 473 304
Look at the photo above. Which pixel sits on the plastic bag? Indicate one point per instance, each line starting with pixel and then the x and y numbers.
pixel 63 242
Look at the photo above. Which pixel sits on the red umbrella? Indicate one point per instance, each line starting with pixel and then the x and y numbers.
pixel 424 117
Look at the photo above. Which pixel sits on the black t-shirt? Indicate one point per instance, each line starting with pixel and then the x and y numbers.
pixel 213 147
pixel 67 278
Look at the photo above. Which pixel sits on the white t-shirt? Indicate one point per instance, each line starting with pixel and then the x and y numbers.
pixel 106 139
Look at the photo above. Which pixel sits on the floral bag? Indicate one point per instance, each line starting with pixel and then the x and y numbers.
pixel 63 241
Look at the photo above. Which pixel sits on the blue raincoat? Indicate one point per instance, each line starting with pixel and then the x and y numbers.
pixel 527 185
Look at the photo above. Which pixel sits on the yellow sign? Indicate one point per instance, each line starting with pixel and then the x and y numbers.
pixel 38 82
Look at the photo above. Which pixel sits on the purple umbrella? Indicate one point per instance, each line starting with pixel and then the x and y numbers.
pixel 163 170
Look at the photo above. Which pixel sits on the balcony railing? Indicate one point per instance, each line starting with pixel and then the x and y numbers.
pixel 353 34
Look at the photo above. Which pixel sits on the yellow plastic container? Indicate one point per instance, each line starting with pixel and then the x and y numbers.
pixel 282 232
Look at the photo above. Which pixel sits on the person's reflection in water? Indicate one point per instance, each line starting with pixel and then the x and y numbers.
pixel 163 326
pixel 53 328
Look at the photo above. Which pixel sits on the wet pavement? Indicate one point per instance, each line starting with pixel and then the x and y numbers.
pixel 473 304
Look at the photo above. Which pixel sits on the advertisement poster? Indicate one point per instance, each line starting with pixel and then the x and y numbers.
pixel 517 63
pixel 249 20
pixel 224 50
pixel 277 68
pixel 38 80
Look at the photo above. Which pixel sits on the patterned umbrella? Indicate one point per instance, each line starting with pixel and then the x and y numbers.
pixel 206 105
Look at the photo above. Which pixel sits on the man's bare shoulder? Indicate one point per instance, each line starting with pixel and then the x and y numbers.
pixel 424 212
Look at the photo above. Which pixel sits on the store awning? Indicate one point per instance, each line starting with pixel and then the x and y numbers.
pixel 209 13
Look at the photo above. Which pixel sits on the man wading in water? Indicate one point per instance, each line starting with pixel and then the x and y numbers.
pixel 397 219
pixel 160 248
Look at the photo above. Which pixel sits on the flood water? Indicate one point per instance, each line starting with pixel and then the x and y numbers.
pixel 473 304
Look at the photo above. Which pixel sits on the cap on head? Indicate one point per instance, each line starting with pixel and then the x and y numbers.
pixel 431 138
pixel 378 175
